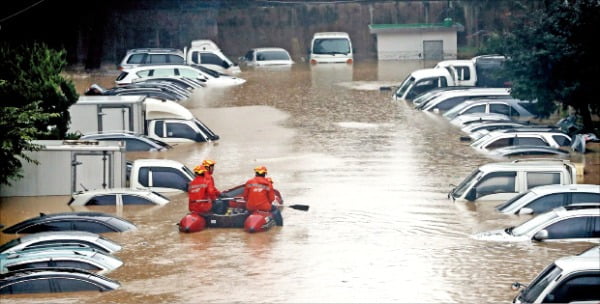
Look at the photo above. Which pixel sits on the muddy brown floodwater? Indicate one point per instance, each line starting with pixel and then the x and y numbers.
pixel 375 174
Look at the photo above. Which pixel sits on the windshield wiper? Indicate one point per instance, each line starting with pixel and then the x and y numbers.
pixel 509 230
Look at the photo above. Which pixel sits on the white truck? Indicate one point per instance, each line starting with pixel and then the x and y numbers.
pixel 208 54
pixel 164 120
pixel 331 47
pixel 480 71
pixel 159 175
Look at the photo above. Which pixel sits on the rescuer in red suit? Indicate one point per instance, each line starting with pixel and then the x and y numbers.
pixel 209 164
pixel 201 192
pixel 258 191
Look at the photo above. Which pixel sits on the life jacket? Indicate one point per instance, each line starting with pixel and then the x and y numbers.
pixel 259 193
pixel 199 194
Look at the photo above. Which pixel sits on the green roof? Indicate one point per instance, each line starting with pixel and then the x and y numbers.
pixel 414 26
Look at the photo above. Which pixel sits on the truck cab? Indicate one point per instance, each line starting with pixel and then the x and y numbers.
pixel 462 71
pixel 207 53
pixel 331 47
pixel 159 175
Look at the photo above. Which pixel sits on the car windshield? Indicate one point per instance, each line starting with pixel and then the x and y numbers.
pixel 331 46
pixel 208 71
pixel 188 171
pixel 408 82
pixel 482 139
pixel 535 288
pixel 10 244
pixel 460 189
pixel 455 111
pixel 502 207
pixel 272 55
pixel 533 223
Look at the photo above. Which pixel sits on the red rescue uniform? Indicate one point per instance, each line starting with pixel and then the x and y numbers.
pixel 212 183
pixel 201 194
pixel 258 193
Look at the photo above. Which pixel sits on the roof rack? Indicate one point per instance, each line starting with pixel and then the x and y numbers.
pixel 537 160
pixel 172 50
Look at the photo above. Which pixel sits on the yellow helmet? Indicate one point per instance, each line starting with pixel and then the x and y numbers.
pixel 208 162
pixel 199 169
pixel 260 169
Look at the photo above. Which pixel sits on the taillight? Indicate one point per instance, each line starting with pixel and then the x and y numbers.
pixel 312 61
pixel 349 61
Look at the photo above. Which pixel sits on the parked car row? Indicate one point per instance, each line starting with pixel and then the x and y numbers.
pixel 544 189
pixel 61 252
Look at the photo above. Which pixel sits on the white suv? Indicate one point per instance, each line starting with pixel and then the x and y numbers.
pixel 520 137
pixel 504 180
pixel 136 57
pixel 210 77
pixel 568 280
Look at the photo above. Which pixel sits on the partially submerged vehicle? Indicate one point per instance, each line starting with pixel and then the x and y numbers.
pixel 569 223
pixel 53 280
pixel 449 99
pixel 96 222
pixel 212 79
pixel 71 257
pixel 571 279
pixel 510 107
pixel 331 47
pixel 117 197
pixel 544 198
pixel 267 57
pixel 519 137
pixel 504 180
pixel 528 151
pixel 53 239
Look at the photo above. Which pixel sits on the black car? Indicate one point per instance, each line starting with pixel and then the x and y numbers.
pixel 95 222
pixel 52 280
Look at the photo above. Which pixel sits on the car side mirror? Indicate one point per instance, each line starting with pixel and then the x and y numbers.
pixel 526 210
pixel 225 64
pixel 471 195
pixel 541 235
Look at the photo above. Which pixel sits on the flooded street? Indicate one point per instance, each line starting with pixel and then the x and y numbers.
pixel 375 173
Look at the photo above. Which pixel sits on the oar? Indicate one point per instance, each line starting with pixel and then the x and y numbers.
pixel 298 207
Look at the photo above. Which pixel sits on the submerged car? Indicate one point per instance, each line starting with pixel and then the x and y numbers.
pixel 510 107
pixel 73 257
pixel 504 180
pixel 267 57
pixel 95 222
pixel 572 279
pixel 544 198
pixel 520 137
pixel 210 77
pixel 526 150
pixel 141 56
pixel 117 197
pixel 55 239
pixel 574 222
pixel 53 280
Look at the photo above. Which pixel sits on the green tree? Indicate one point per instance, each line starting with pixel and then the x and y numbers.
pixel 34 99
pixel 551 55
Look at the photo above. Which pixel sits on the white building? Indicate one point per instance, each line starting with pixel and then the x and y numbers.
pixel 416 41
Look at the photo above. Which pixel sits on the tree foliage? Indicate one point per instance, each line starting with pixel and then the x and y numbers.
pixel 551 56
pixel 34 99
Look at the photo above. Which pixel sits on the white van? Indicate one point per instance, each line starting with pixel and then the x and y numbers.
pixel 207 53
pixel 504 180
pixel 331 47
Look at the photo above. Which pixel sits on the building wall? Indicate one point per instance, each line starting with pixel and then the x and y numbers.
pixel 409 45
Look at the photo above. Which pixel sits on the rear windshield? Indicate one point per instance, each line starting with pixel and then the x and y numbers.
pixel 122 75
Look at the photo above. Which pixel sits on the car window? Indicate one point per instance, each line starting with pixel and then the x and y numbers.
pixel 475 109
pixel 73 284
pixel 547 202
pixel 530 141
pixel 189 73
pixel 56 263
pixel 450 103
pixel 573 228
pixel 64 243
pixel 500 109
pixel 562 140
pixel 535 179
pixel 144 73
pixel 174 59
pixel 585 198
pixel 48 226
pixel 496 182
pixel 159 128
pixel 129 199
pixel 580 287
pixel 143 176
pixel 137 145
pixel 169 178
pixel 92 226
pixel 499 143
pixel 157 59
pixel 272 55
pixel 249 55
pixel 210 58
pixel 165 72
pixel 537 286
pixel 101 200
pixel 39 285
pixel 464 73
pixel 136 59
pixel 514 112
pixel 180 130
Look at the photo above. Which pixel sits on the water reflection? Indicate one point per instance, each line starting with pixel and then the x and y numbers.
pixel 375 173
